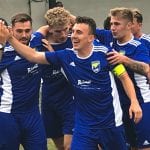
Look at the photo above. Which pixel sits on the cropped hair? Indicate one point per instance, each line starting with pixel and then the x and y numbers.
pixel 57 16
pixel 89 21
pixel 137 14
pixel 122 12
pixel 20 17
pixel 106 23
pixel 59 4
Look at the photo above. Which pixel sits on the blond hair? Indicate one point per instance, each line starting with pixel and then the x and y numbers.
pixel 122 12
pixel 57 16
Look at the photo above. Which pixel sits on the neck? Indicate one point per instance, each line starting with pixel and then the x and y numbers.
pixel 125 38
pixel 85 52
pixel 138 35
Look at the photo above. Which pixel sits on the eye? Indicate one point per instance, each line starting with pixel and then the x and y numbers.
pixel 19 31
pixel 28 30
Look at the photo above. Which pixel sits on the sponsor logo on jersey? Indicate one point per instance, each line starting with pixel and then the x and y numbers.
pixel 33 69
pixel 84 82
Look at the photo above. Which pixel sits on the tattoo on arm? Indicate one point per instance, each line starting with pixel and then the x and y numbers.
pixel 139 67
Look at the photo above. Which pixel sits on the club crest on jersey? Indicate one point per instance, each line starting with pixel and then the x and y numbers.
pixel 95 66
pixel 122 52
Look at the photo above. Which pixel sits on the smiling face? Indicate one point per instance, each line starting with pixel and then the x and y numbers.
pixel 81 37
pixel 22 31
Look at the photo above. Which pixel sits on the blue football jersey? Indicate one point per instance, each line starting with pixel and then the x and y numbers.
pixel 94 87
pixel 54 81
pixel 136 50
pixel 104 36
pixel 20 83
pixel 146 40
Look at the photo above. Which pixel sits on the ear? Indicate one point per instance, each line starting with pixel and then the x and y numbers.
pixel 140 24
pixel 91 37
pixel 10 29
pixel 129 25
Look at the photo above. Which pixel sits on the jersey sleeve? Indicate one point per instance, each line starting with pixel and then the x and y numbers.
pixel 142 54
pixel 36 41
pixel 54 57
pixel 104 36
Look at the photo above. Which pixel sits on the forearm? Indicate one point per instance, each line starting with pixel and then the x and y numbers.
pixel 22 49
pixel 135 110
pixel 128 87
pixel 148 76
pixel 43 30
pixel 137 66
pixel 27 52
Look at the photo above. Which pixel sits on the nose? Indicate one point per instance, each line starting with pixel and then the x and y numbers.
pixel 64 33
pixel 73 34
pixel 24 34
pixel 112 27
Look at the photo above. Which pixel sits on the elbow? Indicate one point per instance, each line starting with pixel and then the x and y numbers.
pixel 147 69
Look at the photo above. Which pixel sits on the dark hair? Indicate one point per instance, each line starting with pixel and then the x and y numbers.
pixel 89 21
pixel 20 17
pixel 59 4
pixel 137 15
pixel 5 22
pixel 106 23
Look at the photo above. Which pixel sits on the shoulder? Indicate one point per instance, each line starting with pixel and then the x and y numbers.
pixel 146 37
pixel 135 42
pixel 8 48
pixel 36 35
pixel 36 39
pixel 98 47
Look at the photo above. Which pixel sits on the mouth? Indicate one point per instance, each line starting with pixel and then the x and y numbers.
pixel 61 40
pixel 75 41
pixel 114 33
pixel 24 41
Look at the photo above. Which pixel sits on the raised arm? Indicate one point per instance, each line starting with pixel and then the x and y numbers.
pixel 24 50
pixel 27 52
